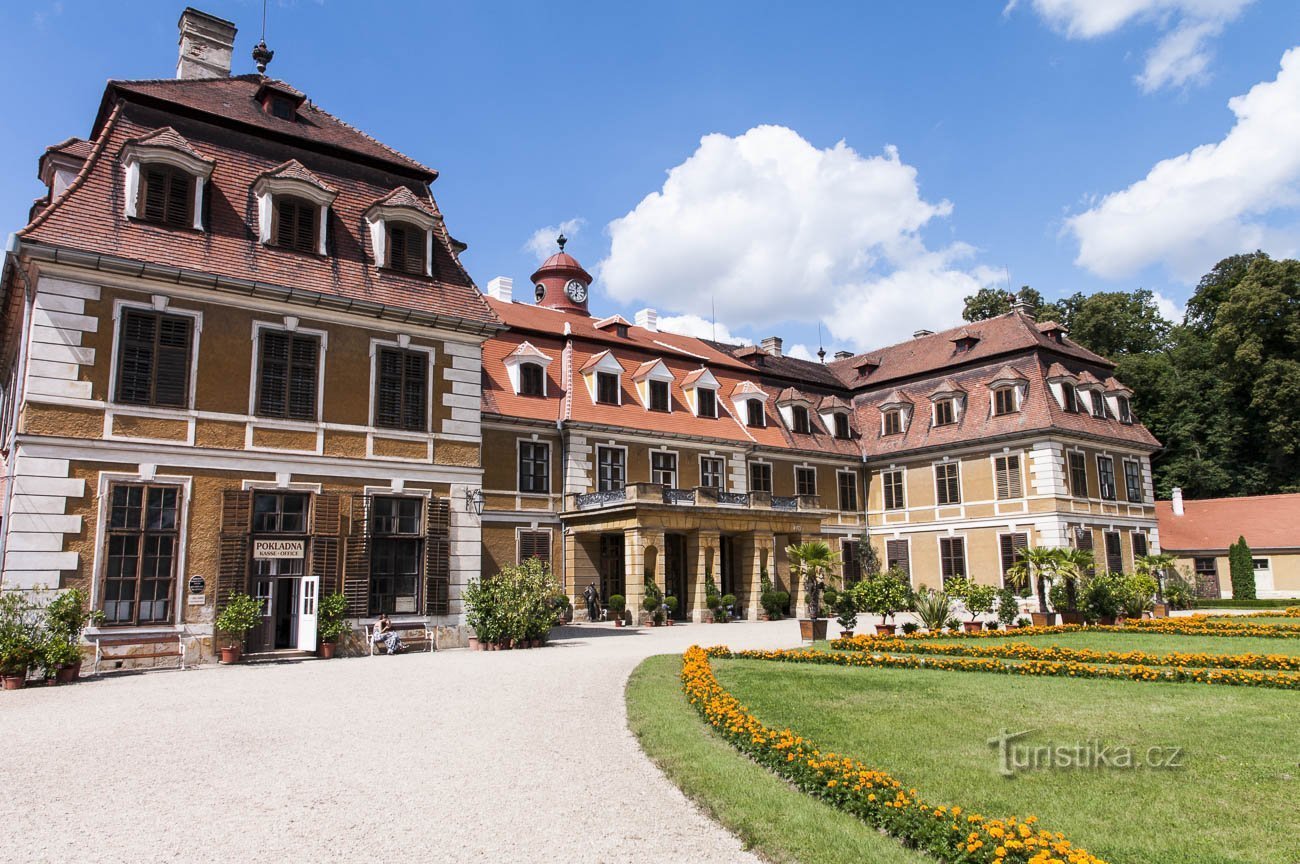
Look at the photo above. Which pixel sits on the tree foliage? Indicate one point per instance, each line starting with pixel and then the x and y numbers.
pixel 1241 570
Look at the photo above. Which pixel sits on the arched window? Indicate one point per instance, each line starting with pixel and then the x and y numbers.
pixel 530 379
pixel 754 413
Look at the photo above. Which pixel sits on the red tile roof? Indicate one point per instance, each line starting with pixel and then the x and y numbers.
pixel 295 170
pixel 404 197
pixel 172 140
pixel 89 215
pixel 1214 524
pixel 77 148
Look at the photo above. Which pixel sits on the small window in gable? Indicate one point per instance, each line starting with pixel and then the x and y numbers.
pixel 1125 409
pixel 1069 398
pixel 166 196
pixel 1098 405
pixel 944 414
pixel 295 223
pixel 708 402
pixel 842 426
pixel 407 245
pixel 1004 401
pixel 280 107
pixel 892 422
pixel 799 420
pixel 658 395
pixel 754 414
pixel 607 388
pixel 531 376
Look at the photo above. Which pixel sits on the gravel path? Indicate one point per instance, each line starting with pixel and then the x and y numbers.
pixel 453 756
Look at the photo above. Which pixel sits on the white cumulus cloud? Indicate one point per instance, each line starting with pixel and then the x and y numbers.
pixel 770 228
pixel 1170 309
pixel 1180 56
pixel 1216 200
pixel 700 328
pixel 542 243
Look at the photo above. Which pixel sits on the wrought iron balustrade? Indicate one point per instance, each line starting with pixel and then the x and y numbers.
pixel 601 499
pixel 784 502
pixel 679 496
pixel 735 499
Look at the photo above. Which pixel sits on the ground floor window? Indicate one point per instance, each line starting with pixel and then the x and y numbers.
pixel 852 561
pixel 396 554
pixel 1114 553
pixel 897 554
pixel 1207 577
pixel 140 555
pixel 535 544
pixel 952 557
pixel 1009 547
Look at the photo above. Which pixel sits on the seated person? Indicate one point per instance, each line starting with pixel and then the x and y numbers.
pixel 385 633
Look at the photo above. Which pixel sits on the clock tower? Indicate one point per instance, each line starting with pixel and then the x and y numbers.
pixel 561 283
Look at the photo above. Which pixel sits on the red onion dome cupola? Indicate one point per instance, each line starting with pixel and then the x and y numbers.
pixel 561 283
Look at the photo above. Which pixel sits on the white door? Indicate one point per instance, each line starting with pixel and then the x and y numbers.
pixel 1263 577
pixel 307 613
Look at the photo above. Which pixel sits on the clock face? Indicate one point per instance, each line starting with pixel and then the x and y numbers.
pixel 576 290
pixel 539 291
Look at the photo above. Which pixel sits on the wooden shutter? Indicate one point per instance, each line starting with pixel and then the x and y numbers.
pixel 1114 553
pixel 356 573
pixel 272 377
pixel 302 377
pixel 326 524
pixel 178 199
pixel 232 554
pixel 1008 477
pixel 135 357
pixel 1010 546
pixel 171 383
pixel 535 544
pixel 437 557
pixel 154 201
pixel 896 554
pixel 1139 544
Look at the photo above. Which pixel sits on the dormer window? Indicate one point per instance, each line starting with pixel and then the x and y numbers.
pixel 799 421
pixel 1125 409
pixel 944 413
pixel 407 248
pixel 754 414
pixel 531 379
pixel 842 430
pixel 295 224
pixel 165 179
pixel 1069 398
pixel 658 395
pixel 1004 401
pixel 707 402
pixel 278 106
pixel 1098 405
pixel 607 388
pixel 401 232
pixel 292 208
pixel 892 422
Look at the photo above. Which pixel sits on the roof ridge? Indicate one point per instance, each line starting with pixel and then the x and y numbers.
pixel 80 179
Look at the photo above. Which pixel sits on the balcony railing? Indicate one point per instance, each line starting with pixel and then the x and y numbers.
pixel 591 500
pixel 701 496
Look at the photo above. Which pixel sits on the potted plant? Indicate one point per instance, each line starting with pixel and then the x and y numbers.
pixel 726 605
pixel 617 603
pixel 910 627
pixel 812 561
pixel 66 619
pixel 670 607
pixel 1101 598
pixel 765 596
pixel 846 612
pixel 1161 568
pixel 978 600
pixel 240 615
pixel 1008 607
pixel 1036 568
pixel 331 623
pixel 883 594
pixel 653 603
pixel 1136 593
pixel 563 608
pixel 19 638
pixel 934 608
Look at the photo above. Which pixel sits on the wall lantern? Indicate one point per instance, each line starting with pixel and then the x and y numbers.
pixel 474 501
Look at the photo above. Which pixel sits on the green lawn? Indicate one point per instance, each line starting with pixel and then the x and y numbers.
pixel 1153 643
pixel 1233 802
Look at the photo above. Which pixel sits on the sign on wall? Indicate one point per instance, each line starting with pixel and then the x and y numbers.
pixel 265 549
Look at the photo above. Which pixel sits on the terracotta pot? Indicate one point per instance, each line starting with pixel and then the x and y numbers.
pixel 846 634
pixel 972 626
pixel 14 680
pixel 1071 617
pixel 1041 619
pixel 618 622
pixel 812 629
pixel 231 654
pixel 473 644
pixel 885 629
pixel 67 673
pixel 537 643
pixel 325 650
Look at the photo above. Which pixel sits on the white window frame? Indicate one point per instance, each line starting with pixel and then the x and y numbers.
pixel 1101 494
pixel 377 219
pixel 911 568
pixel 884 504
pixel 160 304
pixel 934 476
pixel 608 364
pixel 722 471
pixel 795 475
pixel 136 155
pixel 596 465
pixel 1020 469
pixel 749 476
pixel 527 352
pixel 268 189
pixel 550 543
pixel 857 492
pixel 658 372
pixel 402 343
pixel 677 465
pixel 965 554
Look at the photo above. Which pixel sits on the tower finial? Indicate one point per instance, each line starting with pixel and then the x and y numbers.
pixel 561 240
pixel 261 54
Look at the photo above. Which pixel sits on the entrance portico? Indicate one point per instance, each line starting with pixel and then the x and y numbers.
pixel 680 541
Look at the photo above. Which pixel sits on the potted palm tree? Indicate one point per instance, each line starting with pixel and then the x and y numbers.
pixel 1037 567
pixel 1073 567
pixel 812 561
pixel 240 615
pixel 333 624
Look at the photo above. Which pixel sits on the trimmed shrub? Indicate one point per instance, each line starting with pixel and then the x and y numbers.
pixel 1242 570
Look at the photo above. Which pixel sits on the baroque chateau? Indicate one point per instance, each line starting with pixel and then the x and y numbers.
pixel 241 355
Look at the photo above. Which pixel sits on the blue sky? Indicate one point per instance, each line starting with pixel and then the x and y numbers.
pixel 1011 128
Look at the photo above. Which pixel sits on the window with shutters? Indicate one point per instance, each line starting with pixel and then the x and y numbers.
pixel 1132 480
pixel 1069 398
pixel 607 388
pixel 897 554
pixel 891 483
pixel 407 247
pixel 707 399
pixel 851 561
pixel 534 467
pixel 280 512
pixel 1006 470
pixel 1206 571
pixel 534 544
pixel 711 468
pixel 892 422
pixel 944 413
pixel 760 477
pixel 611 469
pixel 1078 474
pixel 1009 548
pixel 140 551
pixel 842 428
pixel 805 480
pixel 295 224
pixel 1139 545
pixel 287 374
pixel 1106 477
pixel 947 483
pixel 1083 542
pixel 952 557
pixel 166 196
pixel 531 378
pixel 153 359
pixel 658 395
pixel 754 414
pixel 663 468
pixel 1004 401
pixel 402 389
pixel 396 554
pixel 800 422
pixel 1114 552
pixel 848 486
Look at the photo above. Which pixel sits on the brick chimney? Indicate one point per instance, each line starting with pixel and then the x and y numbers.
pixel 206 44
pixel 1177 501
pixel 772 345
pixel 648 319
pixel 502 288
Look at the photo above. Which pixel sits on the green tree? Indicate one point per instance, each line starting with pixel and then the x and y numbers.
pixel 1215 286
pixel 1242 570
pixel 1038 566
pixel 991 302
pixel 1119 323
pixel 812 561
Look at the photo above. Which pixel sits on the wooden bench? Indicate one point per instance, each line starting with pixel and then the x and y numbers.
pixel 174 641
pixel 410 632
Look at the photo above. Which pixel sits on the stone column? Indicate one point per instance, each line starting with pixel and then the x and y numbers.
pixel 705 559
pixel 638 564
pixel 759 549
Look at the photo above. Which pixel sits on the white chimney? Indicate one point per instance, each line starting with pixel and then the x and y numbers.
pixel 206 45
pixel 648 319
pixel 1178 501
pixel 772 345
pixel 502 288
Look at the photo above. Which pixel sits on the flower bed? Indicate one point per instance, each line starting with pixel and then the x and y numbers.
pixel 1025 651
pixel 1194 625
pixel 1046 668
pixel 880 800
